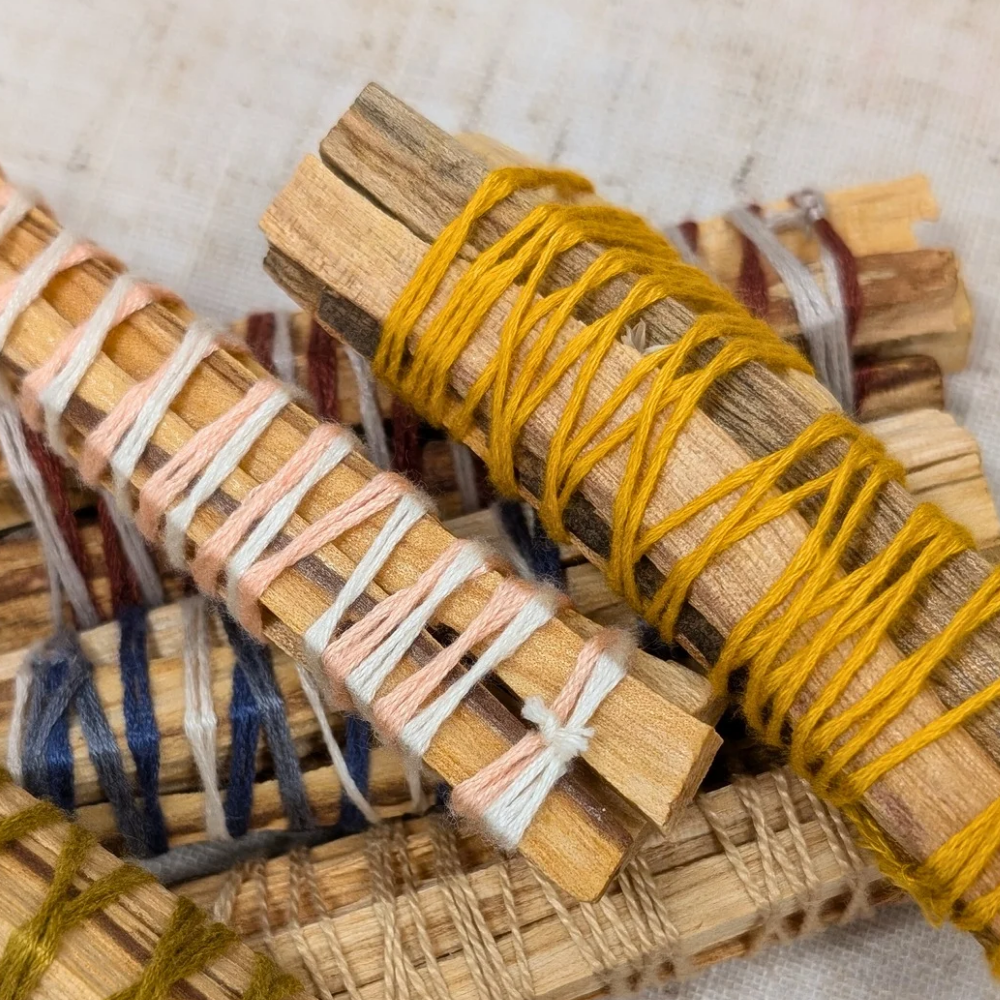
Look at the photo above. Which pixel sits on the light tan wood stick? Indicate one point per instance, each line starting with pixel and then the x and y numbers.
pixel 184 812
pixel 650 753
pixel 346 251
pixel 107 952
pixel 798 873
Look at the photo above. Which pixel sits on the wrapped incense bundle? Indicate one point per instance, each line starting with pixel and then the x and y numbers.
pixel 711 475
pixel 145 401
pixel 74 921
pixel 414 908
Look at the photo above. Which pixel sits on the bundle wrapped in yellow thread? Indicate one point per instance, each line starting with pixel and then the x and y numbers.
pixel 726 495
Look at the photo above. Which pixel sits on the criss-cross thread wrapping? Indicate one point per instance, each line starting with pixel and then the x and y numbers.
pixel 252 551
pixel 813 601
pixel 188 944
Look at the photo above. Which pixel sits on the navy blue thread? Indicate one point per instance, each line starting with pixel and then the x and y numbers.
pixel 141 731
pixel 357 756
pixel 532 541
pixel 244 726
pixel 67 680
pixel 254 659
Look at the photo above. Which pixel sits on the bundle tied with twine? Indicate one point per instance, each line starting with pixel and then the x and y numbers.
pixel 814 596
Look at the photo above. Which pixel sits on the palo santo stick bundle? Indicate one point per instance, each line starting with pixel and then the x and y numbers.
pixel 651 759
pixel 74 921
pixel 348 251
pixel 747 865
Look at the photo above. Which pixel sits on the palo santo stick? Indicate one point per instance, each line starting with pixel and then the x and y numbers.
pixel 107 952
pixel 681 871
pixel 646 747
pixel 184 812
pixel 346 251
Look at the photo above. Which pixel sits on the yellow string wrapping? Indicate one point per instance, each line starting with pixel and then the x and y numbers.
pixel 186 947
pixel 814 600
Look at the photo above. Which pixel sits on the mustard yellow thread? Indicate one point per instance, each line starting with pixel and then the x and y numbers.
pixel 816 605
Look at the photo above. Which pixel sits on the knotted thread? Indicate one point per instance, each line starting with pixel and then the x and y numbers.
pixel 814 606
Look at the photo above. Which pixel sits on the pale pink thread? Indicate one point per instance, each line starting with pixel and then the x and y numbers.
pixel 173 477
pixel 472 797
pixel 135 300
pixel 392 711
pixel 377 494
pixel 79 254
pixel 358 642
pixel 100 444
pixel 219 547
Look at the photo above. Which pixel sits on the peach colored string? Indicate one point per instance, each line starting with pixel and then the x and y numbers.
pixel 212 556
pixel 504 795
pixel 176 474
pixel 377 494
pixel 46 391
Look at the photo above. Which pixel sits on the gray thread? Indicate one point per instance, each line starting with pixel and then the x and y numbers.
pixel 191 861
pixel 822 318
pixel 678 241
pixel 79 691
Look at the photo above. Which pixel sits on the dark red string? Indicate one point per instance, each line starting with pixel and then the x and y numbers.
pixel 690 231
pixel 321 372
pixel 847 273
pixel 53 476
pixel 752 285
pixel 260 338
pixel 125 592
pixel 407 456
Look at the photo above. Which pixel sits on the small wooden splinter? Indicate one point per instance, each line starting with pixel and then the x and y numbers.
pixel 346 236
pixel 650 754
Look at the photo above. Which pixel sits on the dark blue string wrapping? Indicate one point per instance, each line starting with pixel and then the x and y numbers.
pixel 254 661
pixel 141 731
pixel 64 679
pixel 244 726
pixel 532 541
pixel 357 756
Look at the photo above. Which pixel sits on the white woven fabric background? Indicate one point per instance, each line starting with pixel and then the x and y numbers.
pixel 162 129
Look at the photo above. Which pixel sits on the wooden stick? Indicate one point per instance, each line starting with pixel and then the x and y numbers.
pixel 335 248
pixel 106 953
pixel 686 869
pixel 650 752
pixel 184 812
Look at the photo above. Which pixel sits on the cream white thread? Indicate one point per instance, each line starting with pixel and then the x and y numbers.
pixel 200 720
pixel 418 733
pixel 408 511
pixel 272 523
pixel 178 519
pixel 94 331
pixel 508 816
pixel 197 340
pixel 371 415
pixel 282 354
pixel 34 280
pixel 15 735
pixel 367 677
pixel 347 783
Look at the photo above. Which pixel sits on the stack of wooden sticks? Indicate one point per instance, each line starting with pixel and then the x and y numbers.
pixel 774 860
